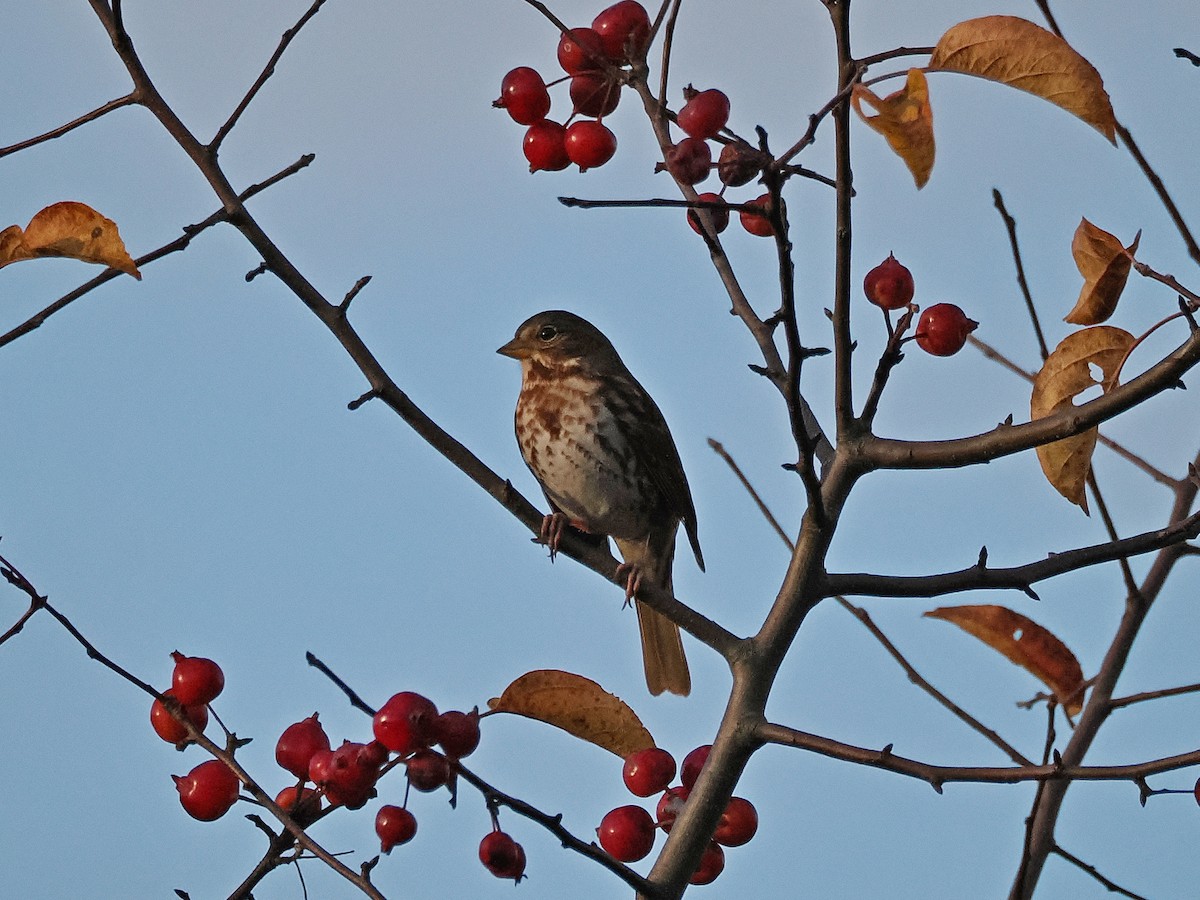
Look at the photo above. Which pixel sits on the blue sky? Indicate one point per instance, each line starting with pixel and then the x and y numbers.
pixel 178 468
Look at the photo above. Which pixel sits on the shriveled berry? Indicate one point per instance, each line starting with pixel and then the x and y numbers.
pixel 196 679
pixel 624 30
pixel 594 94
pixel 208 791
pixel 889 285
pixel 648 771
pixel 502 856
pixel 581 50
pixel 739 164
pixel 756 223
pixel 457 732
pixel 943 328
pixel 712 863
pixel 704 114
pixel 394 825
pixel 171 729
pixel 627 833
pixel 738 823
pixel 428 770
pixel 589 144
pixel 298 743
pixel 690 160
pixel 348 774
pixel 692 764
pixel 524 96
pixel 720 220
pixel 405 722
pixel 670 805
pixel 544 148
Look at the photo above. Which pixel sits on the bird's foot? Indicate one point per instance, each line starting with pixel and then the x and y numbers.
pixel 632 574
pixel 551 533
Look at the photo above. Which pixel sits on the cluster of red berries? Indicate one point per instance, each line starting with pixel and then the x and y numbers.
pixel 627 832
pixel 593 59
pixel 211 788
pixel 942 328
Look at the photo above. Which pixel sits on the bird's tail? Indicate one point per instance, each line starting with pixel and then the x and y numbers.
pixel 662 652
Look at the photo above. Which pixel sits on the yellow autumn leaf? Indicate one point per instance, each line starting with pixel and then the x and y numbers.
pixel 1065 374
pixel 1023 55
pixel 69 229
pixel 1104 264
pixel 576 705
pixel 905 118
pixel 1025 643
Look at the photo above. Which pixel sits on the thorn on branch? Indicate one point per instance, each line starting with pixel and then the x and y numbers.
pixel 344 306
pixel 368 866
pixel 355 404
pixel 1031 593
pixel 983 558
pixel 261 269
pixel 1188 309
pixel 262 826
pixel 1191 57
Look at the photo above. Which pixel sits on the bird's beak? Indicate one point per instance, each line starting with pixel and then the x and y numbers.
pixel 517 348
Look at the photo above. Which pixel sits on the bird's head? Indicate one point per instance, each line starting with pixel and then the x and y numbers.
pixel 556 338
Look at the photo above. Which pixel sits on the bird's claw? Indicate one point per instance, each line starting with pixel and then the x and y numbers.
pixel 633 579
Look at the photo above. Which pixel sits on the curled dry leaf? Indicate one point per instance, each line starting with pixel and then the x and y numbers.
pixel 1023 55
pixel 1104 264
pixel 905 118
pixel 1066 373
pixel 69 229
pixel 576 705
pixel 1025 643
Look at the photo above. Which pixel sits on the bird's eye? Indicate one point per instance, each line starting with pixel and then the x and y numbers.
pixel 547 333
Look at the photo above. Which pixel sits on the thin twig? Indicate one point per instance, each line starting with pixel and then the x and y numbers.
pixel 102 110
pixel 1144 696
pixel 1109 885
pixel 1010 225
pixel 754 495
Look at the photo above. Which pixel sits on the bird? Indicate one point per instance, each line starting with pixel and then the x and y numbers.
pixel 600 449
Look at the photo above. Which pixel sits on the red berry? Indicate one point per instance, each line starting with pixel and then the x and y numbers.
pixel 758 225
pixel 738 823
pixel 712 863
pixel 889 285
pixel 428 770
pixel 589 144
pixel 544 147
pixel 298 743
pixel 594 94
pixel 196 679
pixel 704 114
pixel 581 50
pixel 348 774
pixel 502 856
pixel 395 825
pixel 692 764
pixel 943 328
pixel 457 732
pixel 405 723
pixel 374 754
pixel 627 833
pixel 523 93
pixel 302 805
pixel 168 727
pixel 720 220
pixel 624 30
pixel 670 805
pixel 690 160
pixel 208 791
pixel 1196 791
pixel 648 771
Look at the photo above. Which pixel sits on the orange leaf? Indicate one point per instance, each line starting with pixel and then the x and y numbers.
pixel 1104 264
pixel 1020 54
pixel 1025 643
pixel 576 705
pixel 905 118
pixel 69 229
pixel 1065 374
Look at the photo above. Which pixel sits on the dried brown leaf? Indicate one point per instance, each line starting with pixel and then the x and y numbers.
pixel 576 705
pixel 1023 55
pixel 1104 264
pixel 1066 373
pixel 68 229
pixel 905 118
pixel 1025 643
